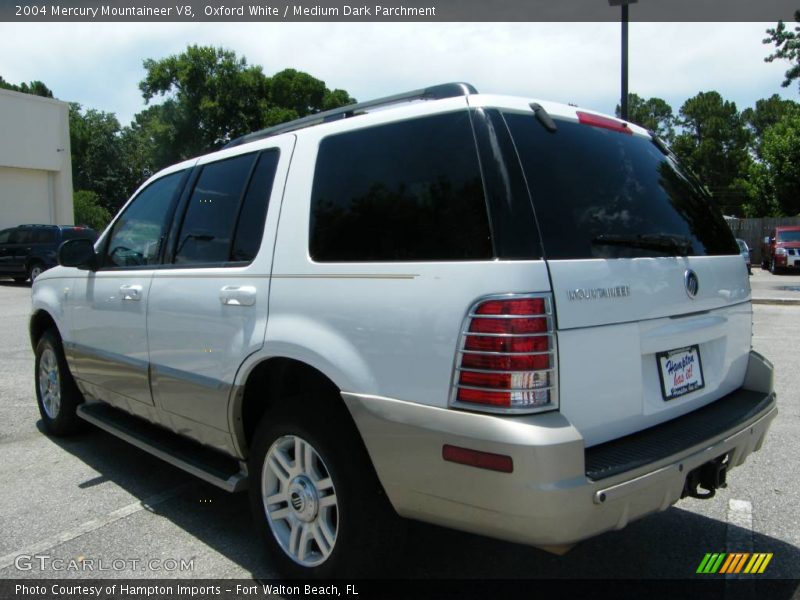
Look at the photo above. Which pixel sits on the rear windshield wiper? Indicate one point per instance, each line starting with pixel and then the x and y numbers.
pixel 677 244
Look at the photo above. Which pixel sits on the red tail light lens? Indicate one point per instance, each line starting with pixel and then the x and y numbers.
pixel 508 360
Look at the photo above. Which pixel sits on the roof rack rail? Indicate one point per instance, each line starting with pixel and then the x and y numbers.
pixel 436 92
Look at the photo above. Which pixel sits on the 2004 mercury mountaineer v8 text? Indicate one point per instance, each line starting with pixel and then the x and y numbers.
pixel 510 317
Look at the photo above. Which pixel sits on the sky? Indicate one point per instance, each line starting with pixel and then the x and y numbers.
pixel 99 65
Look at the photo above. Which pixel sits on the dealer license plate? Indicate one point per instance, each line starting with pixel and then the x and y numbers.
pixel 680 371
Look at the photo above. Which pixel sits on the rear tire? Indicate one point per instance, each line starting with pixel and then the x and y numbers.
pixel 315 497
pixel 56 393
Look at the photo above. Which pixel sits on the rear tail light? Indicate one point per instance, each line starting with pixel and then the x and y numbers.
pixel 507 356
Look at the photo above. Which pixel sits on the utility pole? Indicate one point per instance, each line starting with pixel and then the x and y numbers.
pixel 623 4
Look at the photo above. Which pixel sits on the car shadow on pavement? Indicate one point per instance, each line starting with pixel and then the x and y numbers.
pixel 668 545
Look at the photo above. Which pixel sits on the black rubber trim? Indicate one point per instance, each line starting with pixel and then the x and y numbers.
pixel 202 457
pixel 659 442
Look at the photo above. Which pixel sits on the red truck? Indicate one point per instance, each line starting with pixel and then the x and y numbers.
pixel 781 249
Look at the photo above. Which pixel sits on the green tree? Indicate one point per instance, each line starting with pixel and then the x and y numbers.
pixel 36 88
pixel 210 96
pixel 777 177
pixel 766 113
pixel 653 114
pixel 787 47
pixel 98 162
pixel 88 210
pixel 713 142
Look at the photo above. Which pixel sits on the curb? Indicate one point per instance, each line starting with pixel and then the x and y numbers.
pixel 777 301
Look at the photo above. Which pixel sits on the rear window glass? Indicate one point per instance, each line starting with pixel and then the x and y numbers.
pixel 604 194
pixel 407 191
pixel 79 234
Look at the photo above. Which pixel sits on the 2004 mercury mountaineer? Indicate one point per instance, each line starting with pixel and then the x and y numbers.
pixel 514 318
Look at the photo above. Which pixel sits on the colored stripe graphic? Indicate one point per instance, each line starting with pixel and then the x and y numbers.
pixel 734 562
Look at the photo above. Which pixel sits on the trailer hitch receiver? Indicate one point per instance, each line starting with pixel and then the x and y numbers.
pixel 709 477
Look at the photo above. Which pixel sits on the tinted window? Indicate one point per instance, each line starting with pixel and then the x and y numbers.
pixel 138 234
pixel 44 236
pixel 604 194
pixel 250 226
pixel 79 233
pixel 406 191
pixel 207 228
pixel 5 235
pixel 23 236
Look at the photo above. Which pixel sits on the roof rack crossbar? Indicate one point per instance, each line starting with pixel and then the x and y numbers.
pixel 436 92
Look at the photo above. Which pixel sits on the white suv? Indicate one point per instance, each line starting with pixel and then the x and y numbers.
pixel 514 318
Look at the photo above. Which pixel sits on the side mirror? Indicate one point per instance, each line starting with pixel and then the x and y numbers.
pixel 78 253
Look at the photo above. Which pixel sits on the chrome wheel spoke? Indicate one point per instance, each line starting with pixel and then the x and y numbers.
pixel 327 501
pixel 324 544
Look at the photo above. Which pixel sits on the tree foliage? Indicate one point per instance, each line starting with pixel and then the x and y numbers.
pixel 88 210
pixel 37 88
pixel 653 114
pixel 787 47
pixel 714 142
pixel 210 96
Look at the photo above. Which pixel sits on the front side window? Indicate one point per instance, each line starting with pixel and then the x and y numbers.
pixel 137 236
pixel 407 191
pixel 5 236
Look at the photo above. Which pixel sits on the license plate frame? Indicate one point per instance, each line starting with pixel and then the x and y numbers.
pixel 680 363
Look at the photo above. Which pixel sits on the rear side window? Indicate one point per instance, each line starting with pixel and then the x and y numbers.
pixel 211 214
pixel 407 191
pixel 225 214
pixel 44 236
pixel 603 194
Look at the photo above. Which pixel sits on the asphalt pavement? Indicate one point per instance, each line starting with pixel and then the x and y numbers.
pixel 95 498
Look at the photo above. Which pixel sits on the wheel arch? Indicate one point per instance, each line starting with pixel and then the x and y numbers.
pixel 41 320
pixel 272 383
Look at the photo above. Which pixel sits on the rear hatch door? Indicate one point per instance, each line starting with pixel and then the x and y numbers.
pixel 651 295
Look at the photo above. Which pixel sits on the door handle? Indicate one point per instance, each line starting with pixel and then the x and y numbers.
pixel 238 295
pixel 131 292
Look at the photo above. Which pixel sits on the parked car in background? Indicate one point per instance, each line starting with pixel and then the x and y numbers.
pixel 28 250
pixel 781 249
pixel 745 250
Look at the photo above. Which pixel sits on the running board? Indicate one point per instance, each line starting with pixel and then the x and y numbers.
pixel 201 461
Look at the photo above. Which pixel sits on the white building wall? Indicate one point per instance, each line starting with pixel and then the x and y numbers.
pixel 35 167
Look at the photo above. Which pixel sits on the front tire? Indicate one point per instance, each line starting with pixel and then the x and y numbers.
pixel 56 393
pixel 34 271
pixel 315 497
pixel 772 267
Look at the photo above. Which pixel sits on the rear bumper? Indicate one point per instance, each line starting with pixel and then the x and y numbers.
pixel 548 499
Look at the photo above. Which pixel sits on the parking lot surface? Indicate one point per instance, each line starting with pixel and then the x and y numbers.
pixel 95 498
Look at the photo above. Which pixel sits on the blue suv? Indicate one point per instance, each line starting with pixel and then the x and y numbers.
pixel 27 250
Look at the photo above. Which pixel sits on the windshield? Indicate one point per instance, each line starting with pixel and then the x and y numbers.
pixel 604 194
pixel 789 236
pixel 742 246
